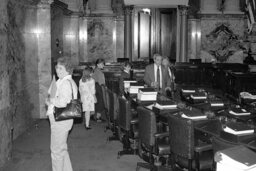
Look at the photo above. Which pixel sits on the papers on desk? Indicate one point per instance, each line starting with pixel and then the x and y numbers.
pixel 134 88
pixel 237 158
pixel 239 112
pixel 237 128
pixel 147 94
pixel 193 114
pixel 193 117
pixel 216 103
pixel 187 91
pixel 165 105
pixel 198 96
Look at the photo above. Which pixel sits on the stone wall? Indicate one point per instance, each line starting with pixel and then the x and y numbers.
pixel 24 71
pixel 84 37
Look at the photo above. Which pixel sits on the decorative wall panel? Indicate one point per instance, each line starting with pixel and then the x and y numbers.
pixel 100 39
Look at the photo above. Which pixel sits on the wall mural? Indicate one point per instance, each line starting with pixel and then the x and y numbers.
pixel 222 43
pixel 100 39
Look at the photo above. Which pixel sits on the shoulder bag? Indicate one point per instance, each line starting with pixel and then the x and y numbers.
pixel 71 111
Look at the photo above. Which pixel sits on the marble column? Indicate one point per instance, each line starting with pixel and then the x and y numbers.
pixel 102 7
pixel 183 33
pixel 44 53
pixel 37 45
pixel 128 33
pixel 194 38
pixel 120 37
pixel 83 39
pixel 71 37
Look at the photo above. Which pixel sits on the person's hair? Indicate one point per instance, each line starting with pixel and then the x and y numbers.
pixel 127 64
pixel 98 61
pixel 86 74
pixel 66 62
pixel 165 57
pixel 156 55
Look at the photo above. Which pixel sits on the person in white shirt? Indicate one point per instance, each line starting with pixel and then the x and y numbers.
pixel 157 76
pixel 66 90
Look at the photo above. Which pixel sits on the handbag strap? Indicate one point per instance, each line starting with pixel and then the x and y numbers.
pixel 71 88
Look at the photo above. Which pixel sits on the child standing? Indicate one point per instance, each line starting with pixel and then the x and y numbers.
pixel 87 93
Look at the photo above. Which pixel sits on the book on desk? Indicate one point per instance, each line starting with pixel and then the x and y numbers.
pixel 165 105
pixel 239 112
pixel 238 128
pixel 193 114
pixel 188 90
pixel 147 94
pixel 216 103
pixel 238 158
pixel 198 96
pixel 134 88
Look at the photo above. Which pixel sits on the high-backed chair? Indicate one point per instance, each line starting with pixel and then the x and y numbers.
pixel 113 112
pixel 152 144
pixel 185 152
pixel 107 106
pixel 104 89
pixel 128 127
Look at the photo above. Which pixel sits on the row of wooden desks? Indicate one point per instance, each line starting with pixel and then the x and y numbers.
pixel 212 126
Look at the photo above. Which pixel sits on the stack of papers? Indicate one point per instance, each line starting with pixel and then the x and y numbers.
pixel 239 112
pixel 237 158
pixel 134 88
pixel 165 105
pixel 198 96
pixel 217 103
pixel 147 94
pixel 237 128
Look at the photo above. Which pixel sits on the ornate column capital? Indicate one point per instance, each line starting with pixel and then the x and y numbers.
pixel 44 3
pixel 183 9
pixel 128 10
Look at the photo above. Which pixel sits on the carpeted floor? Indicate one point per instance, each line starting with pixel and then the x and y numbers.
pixel 89 150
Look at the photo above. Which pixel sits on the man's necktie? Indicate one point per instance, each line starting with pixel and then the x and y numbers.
pixel 158 77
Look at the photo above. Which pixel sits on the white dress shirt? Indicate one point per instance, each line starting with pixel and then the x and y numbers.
pixel 160 70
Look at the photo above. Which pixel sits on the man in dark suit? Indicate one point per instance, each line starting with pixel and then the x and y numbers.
pixel 157 76
pixel 125 74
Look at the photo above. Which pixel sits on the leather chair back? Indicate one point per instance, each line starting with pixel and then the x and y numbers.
pixel 125 115
pixel 110 105
pixel 104 88
pixel 181 136
pixel 116 106
pixel 147 126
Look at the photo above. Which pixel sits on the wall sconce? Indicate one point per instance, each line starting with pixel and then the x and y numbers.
pixel 57 42
pixel 37 31
pixel 146 11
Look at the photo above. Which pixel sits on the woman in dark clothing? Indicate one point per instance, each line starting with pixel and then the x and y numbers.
pixel 99 78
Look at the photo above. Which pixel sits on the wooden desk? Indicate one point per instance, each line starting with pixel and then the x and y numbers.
pixel 214 128
pixel 239 81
